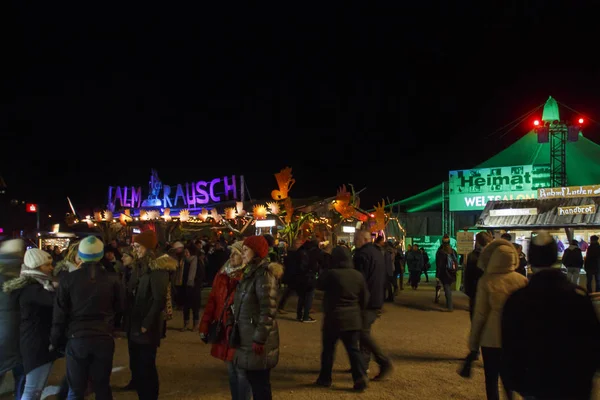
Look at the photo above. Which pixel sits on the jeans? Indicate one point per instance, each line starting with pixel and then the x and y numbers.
pixel 35 381
pixel 593 277
pixel 90 357
pixel 260 382
pixel 351 340
pixel 448 295
pixel 238 383
pixel 368 345
pixel 305 299
pixel 492 361
pixel 143 368
pixel 573 275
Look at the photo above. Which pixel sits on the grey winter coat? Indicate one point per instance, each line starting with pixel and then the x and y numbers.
pixel 10 315
pixel 255 308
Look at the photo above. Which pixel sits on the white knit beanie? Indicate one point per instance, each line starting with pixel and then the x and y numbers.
pixel 35 258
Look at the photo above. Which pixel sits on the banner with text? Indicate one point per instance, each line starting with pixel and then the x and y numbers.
pixel 471 189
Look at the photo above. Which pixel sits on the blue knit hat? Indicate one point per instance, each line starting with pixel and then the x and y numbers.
pixel 91 249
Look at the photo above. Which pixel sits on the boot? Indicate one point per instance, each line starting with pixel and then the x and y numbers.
pixel 185 326
pixel 196 326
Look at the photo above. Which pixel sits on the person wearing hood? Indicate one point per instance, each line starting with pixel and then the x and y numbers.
pixel 11 258
pixel 472 272
pixel 218 310
pixel 86 303
pixel 34 292
pixel 253 327
pixel 146 319
pixel 498 260
pixel 550 332
pixel 345 298
pixel 573 259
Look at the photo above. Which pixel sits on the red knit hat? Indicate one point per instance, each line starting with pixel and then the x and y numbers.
pixel 147 239
pixel 258 244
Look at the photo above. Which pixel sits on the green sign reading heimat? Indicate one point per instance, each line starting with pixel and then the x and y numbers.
pixel 471 189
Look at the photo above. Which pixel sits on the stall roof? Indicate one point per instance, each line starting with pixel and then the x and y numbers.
pixel 547 214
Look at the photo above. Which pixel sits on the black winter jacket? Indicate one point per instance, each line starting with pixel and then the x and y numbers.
pixel 472 273
pixel 10 317
pixel 369 261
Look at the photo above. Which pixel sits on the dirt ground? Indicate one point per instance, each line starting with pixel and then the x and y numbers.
pixel 425 343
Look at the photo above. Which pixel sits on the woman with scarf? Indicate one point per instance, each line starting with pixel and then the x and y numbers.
pixel 218 308
pixel 192 278
pixel 446 262
pixel 34 292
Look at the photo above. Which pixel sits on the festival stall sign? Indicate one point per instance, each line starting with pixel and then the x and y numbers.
pixel 190 195
pixel 577 210
pixel 569 192
pixel 465 241
pixel 471 189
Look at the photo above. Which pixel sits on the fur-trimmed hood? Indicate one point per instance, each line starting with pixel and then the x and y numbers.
pixel 17 283
pixel 500 256
pixel 275 269
pixel 164 262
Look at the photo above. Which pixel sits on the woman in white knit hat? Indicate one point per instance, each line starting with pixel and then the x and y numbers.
pixel 34 292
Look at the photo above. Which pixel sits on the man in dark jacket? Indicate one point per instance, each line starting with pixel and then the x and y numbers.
pixel 368 260
pixel 146 319
pixel 291 263
pixel 592 264
pixel 344 300
pixel 311 259
pixel 472 271
pixel 573 259
pixel 84 311
pixel 537 320
pixel 11 258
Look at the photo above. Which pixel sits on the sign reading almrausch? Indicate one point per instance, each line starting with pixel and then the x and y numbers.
pixel 569 192
pixel 577 210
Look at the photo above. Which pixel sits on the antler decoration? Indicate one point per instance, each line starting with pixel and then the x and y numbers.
pixel 259 212
pixel 380 216
pixel 343 204
pixel 289 210
pixel 273 207
pixel 284 182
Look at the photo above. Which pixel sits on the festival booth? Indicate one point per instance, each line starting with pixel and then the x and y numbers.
pixel 568 213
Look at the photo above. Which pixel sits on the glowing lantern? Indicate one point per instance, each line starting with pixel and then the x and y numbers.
pixel 214 214
pixel 536 122
pixel 167 214
pixel 184 215
pixel 143 215
pixel 259 212
pixel 230 213
pixel 273 207
pixel 97 216
pixel 203 215
pixel 239 207
pixel 108 215
pixel 153 214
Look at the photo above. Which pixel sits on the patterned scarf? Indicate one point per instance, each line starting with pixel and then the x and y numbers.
pixel 40 277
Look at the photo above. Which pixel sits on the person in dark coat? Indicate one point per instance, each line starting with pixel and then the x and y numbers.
pixel 592 264
pixel 291 263
pixel 254 313
pixel 146 319
pixel 193 276
pixel 311 260
pixel 84 320
pixel 344 301
pixel 369 261
pixel 446 263
pixel 398 270
pixel 550 331
pixel 426 263
pixel 415 263
pixel 11 258
pixel 34 292
pixel 573 259
pixel 472 271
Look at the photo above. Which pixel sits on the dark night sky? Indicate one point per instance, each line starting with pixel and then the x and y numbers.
pixel 387 98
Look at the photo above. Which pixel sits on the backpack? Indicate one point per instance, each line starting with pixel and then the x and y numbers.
pixel 451 264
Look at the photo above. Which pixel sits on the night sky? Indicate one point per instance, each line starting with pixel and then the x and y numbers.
pixel 387 98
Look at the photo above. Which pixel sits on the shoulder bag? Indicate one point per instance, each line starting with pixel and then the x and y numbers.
pixel 215 329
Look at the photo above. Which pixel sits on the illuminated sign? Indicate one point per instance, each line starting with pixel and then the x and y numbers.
pixel 577 210
pixel 30 207
pixel 190 195
pixel 471 189
pixel 513 211
pixel 265 223
pixel 569 192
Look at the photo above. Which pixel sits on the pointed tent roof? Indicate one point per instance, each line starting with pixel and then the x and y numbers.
pixel 582 167
pixel 550 111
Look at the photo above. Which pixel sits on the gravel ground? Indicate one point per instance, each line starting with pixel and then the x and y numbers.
pixel 425 342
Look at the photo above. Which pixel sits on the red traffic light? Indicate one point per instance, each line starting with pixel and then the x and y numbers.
pixel 580 120
pixel 536 122
pixel 30 207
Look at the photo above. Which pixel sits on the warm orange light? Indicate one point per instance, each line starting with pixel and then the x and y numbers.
pixel 536 122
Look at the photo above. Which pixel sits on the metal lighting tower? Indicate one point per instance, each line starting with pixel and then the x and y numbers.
pixel 556 132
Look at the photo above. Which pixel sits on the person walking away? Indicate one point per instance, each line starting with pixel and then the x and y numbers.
pixel 398 270
pixel 193 276
pixel 414 260
pixel 34 292
pixel 426 264
pixel 218 310
pixel 253 327
pixel 369 261
pixel 472 271
pixel 573 259
pixel 146 319
pixel 11 259
pixel 551 311
pixel 311 259
pixel 87 302
pixel 446 262
pixel 498 260
pixel 592 264
pixel 344 301
pixel 389 254
pixel 290 273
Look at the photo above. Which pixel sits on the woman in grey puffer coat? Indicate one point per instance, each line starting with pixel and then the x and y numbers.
pixel 255 309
